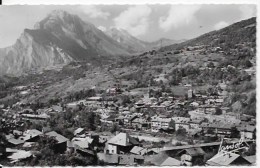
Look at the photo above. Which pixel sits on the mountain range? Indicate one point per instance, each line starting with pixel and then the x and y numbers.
pixel 135 45
pixel 61 38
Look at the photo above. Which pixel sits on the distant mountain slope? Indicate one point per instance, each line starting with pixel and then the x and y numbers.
pixel 135 45
pixel 226 38
pixel 123 37
pixel 164 42
pixel 58 39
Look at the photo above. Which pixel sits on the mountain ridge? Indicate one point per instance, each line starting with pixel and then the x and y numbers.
pixel 229 34
pixel 134 44
pixel 58 38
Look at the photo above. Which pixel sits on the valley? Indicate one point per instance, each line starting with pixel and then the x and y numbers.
pixel 86 87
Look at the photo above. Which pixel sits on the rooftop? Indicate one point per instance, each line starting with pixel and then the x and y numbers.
pixel 123 139
pixel 225 159
pixel 171 162
pixel 57 136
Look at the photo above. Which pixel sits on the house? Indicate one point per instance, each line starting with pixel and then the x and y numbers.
pixel 85 152
pixel 152 151
pixel 139 104
pixel 159 122
pixel 79 131
pixel 190 93
pixel 162 159
pixel 97 98
pixel 181 122
pixel 18 155
pixel 194 104
pixel 131 160
pixel 195 123
pixel 190 155
pixel 159 108
pixel 94 102
pixel 251 159
pixel 83 143
pixel 116 159
pixel 35 117
pixel 137 150
pixel 108 159
pixel 227 159
pixel 247 131
pixel 132 118
pixel 13 141
pixel 31 135
pixel 121 143
pixel 29 144
pixel 171 162
pixel 219 128
pixel 61 141
pixel 140 123
pixel 112 91
pixel 56 109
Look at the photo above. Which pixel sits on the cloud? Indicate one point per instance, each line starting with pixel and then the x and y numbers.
pixel 179 15
pixel 220 25
pixel 247 11
pixel 135 20
pixel 102 28
pixel 94 12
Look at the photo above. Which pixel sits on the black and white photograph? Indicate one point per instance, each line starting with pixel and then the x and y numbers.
pixel 128 85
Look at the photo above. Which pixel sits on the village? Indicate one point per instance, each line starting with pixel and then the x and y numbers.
pixel 190 105
pixel 161 131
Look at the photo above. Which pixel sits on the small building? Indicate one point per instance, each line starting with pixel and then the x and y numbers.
pixel 190 93
pixel 221 129
pixel 83 143
pixel 35 117
pixel 79 131
pixel 181 122
pixel 120 144
pixel 189 155
pixel 251 159
pixel 32 135
pixel 195 123
pixel 171 162
pixel 131 160
pixel 247 131
pixel 61 141
pixel 162 159
pixel 159 122
pixel 140 123
pixel 108 159
pixel 137 150
pixel 12 141
pixel 227 159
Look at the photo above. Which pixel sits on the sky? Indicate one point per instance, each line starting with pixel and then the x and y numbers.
pixel 146 22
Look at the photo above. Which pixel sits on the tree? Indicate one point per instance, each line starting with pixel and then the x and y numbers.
pixel 125 100
pixel 198 161
pixel 172 124
pixel 234 133
pixel 3 139
pixel 218 111
pixel 247 63
pixel 181 131
pixel 114 128
pixel 211 65
pixel 251 150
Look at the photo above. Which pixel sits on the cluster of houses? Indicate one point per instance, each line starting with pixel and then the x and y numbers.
pixel 201 117
pixel 119 149
pixel 149 115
